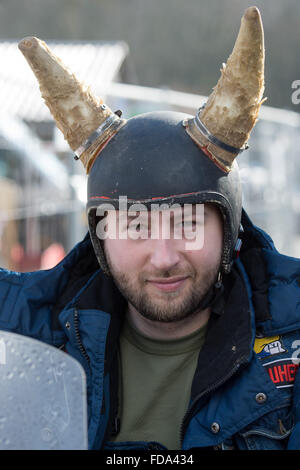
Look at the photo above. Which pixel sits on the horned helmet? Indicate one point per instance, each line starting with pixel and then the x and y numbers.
pixel 162 156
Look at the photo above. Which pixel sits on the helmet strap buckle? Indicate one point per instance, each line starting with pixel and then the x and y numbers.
pixel 218 283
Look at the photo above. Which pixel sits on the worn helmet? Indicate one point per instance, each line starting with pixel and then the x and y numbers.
pixel 161 156
pixel 152 159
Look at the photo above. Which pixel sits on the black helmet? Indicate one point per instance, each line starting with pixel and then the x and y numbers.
pixel 165 156
pixel 152 159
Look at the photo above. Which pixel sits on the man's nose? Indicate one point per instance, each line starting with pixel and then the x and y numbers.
pixel 164 254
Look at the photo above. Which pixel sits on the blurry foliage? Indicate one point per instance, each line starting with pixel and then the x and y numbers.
pixel 174 43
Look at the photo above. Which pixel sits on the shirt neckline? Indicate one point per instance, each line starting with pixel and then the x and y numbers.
pixel 165 347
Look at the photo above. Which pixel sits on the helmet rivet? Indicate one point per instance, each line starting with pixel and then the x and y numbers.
pixel 215 428
pixel 103 106
pixel 261 397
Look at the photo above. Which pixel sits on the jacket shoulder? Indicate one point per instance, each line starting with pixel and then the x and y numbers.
pixel 27 300
pixel 274 281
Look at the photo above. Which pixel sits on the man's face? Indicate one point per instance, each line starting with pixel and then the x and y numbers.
pixel 159 277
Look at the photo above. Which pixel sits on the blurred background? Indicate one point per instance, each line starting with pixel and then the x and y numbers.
pixel 139 56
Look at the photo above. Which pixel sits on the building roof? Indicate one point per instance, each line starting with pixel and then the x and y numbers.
pixel 17 136
pixel 95 63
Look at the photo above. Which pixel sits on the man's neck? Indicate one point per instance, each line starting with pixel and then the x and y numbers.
pixel 170 330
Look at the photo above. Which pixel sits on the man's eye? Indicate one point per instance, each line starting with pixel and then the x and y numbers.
pixel 138 227
pixel 188 223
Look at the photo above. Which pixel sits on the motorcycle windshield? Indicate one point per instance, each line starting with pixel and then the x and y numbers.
pixel 42 396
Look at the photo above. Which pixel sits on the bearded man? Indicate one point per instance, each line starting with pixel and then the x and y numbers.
pixel 181 311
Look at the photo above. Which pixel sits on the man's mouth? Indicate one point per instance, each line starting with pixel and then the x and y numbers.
pixel 168 284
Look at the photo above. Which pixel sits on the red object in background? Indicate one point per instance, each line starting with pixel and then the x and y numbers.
pixel 17 254
pixel 52 255
pixel 21 261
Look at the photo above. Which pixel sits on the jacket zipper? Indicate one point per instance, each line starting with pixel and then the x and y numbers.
pixel 211 389
pixel 78 338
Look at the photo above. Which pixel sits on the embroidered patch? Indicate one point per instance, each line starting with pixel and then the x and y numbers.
pixel 265 347
pixel 282 372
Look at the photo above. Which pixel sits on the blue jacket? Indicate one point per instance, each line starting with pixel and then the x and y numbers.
pixel 246 390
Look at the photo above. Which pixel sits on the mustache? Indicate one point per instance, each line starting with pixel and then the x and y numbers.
pixel 165 274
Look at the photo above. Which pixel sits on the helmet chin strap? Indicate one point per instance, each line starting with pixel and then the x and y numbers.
pixel 218 284
pixel 213 293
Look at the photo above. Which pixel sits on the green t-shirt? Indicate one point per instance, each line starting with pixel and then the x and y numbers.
pixel 155 388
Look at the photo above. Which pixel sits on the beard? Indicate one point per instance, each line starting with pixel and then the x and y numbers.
pixel 165 307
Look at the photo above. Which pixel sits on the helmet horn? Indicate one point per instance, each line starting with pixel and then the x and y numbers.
pixel 85 121
pixel 222 126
